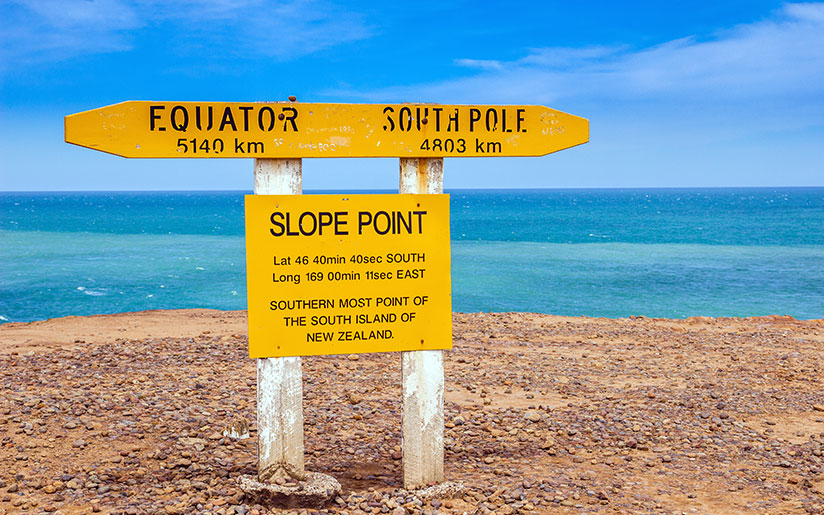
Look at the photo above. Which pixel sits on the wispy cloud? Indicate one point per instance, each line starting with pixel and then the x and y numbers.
pixel 34 30
pixel 52 30
pixel 781 56
pixel 483 64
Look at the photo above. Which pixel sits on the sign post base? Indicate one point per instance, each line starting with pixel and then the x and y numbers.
pixel 317 490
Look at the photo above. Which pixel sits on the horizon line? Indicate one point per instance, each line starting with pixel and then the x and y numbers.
pixel 392 190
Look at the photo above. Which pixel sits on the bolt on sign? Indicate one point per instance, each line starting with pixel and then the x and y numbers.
pixel 340 274
pixel 292 130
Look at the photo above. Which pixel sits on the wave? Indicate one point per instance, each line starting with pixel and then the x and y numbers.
pixel 94 292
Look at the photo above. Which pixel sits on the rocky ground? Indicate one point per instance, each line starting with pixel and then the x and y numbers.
pixel 125 413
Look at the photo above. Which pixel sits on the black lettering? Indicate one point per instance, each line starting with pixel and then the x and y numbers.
pixel 479 146
pixel 406 224
pixel 238 147
pixel 388 222
pixel 210 112
pixel 228 119
pixel 407 117
pixel 437 111
pixel 314 223
pixel 339 223
pixel 180 127
pixel 519 119
pixel 503 121
pixel 361 222
pixel 154 116
pixel 271 114
pixel 453 119
pixel 419 117
pixel 288 231
pixel 494 125
pixel 474 116
pixel 279 225
pixel 324 220
pixel 388 109
pixel 420 220
pixel 245 110
pixel 291 118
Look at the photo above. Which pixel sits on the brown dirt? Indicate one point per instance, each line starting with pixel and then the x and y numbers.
pixel 123 414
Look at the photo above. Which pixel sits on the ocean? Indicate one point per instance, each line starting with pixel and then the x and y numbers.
pixel 604 253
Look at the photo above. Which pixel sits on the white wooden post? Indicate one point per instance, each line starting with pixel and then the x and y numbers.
pixel 279 380
pixel 423 419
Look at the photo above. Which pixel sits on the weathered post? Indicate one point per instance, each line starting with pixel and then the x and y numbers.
pixel 279 380
pixel 422 418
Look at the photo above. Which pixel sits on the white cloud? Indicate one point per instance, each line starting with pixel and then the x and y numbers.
pixel 740 106
pixel 559 58
pixel 301 27
pixel 111 14
pixel 809 11
pixel 782 56
pixel 52 30
pixel 37 30
pixel 483 64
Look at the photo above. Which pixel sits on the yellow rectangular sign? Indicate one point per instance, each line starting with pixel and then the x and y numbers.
pixel 341 274
pixel 297 130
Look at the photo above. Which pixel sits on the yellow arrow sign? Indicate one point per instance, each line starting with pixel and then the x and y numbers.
pixel 296 130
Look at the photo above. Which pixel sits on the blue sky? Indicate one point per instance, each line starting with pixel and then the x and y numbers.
pixel 677 94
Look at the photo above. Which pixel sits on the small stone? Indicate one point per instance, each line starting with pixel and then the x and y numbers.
pixel 75 484
pixel 79 444
pixel 818 407
pixel 532 416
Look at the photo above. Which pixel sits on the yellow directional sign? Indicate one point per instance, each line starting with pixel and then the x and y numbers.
pixel 297 130
pixel 340 274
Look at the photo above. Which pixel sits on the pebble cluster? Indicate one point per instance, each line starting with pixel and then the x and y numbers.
pixel 543 414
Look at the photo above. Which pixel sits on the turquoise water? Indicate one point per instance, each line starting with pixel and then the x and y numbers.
pixel 657 253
